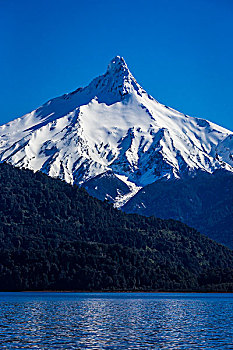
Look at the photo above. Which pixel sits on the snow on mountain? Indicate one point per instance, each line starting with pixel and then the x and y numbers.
pixel 114 126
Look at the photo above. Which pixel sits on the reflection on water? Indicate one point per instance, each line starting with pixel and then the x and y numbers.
pixel 116 321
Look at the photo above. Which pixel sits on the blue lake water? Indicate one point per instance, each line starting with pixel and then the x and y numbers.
pixel 116 321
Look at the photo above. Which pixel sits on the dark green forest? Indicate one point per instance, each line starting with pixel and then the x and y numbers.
pixel 54 236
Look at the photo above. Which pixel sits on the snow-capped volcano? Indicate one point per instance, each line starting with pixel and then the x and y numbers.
pixel 114 138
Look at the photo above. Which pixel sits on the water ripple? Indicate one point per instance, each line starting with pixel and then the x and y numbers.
pixel 116 321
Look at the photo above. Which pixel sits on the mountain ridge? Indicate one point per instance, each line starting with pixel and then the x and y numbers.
pixel 114 126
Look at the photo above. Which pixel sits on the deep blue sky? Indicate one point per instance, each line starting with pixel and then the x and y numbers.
pixel 180 51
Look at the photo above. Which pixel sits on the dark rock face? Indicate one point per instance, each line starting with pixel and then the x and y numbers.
pixel 106 186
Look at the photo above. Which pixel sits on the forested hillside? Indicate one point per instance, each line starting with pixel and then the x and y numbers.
pixel 55 236
pixel 204 202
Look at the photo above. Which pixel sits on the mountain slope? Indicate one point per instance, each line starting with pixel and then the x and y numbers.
pixel 55 236
pixel 114 126
pixel 203 202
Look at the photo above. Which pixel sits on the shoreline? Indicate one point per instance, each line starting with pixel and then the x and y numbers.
pixel 117 292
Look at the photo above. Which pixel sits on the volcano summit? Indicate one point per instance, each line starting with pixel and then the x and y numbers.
pixel 113 138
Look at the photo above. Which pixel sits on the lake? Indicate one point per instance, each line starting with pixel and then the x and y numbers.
pixel 34 320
